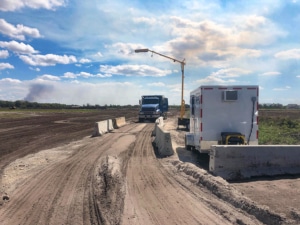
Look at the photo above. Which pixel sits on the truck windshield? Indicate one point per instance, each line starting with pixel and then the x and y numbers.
pixel 150 101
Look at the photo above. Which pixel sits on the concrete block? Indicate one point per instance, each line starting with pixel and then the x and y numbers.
pixel 158 122
pixel 244 161
pixel 163 142
pixel 110 126
pixel 100 128
pixel 119 122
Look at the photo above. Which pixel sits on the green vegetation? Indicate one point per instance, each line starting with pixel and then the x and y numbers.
pixel 279 130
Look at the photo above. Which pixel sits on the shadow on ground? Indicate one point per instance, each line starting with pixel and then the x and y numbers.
pixel 199 159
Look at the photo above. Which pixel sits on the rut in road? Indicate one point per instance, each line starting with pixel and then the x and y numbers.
pixel 153 196
pixel 67 191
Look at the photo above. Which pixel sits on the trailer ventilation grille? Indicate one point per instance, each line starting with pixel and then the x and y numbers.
pixel 230 95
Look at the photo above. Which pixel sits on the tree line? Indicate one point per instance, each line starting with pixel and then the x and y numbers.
pixel 35 105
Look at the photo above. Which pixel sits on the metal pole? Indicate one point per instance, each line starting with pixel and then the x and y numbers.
pixel 182 108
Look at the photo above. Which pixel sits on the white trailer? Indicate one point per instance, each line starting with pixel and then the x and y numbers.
pixel 223 115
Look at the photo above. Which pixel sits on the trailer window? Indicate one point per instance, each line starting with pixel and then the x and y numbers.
pixel 230 95
pixel 193 105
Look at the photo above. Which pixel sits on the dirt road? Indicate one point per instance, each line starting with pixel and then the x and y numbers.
pixel 88 181
pixel 116 179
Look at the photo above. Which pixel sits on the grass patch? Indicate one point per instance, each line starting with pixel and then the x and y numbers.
pixel 279 130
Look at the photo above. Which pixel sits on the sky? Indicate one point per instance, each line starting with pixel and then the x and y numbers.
pixel 83 52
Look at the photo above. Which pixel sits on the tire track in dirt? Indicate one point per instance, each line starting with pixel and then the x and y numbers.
pixel 155 196
pixel 62 192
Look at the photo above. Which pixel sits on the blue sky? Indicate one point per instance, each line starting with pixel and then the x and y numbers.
pixel 82 52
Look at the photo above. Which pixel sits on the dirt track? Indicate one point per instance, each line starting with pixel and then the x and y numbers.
pixel 114 179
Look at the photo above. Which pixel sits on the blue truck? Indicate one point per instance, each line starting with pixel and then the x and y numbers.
pixel 152 107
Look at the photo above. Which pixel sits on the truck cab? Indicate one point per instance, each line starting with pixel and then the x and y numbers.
pixel 152 107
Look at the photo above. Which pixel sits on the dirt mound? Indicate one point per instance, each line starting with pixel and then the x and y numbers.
pixel 109 190
pixel 223 190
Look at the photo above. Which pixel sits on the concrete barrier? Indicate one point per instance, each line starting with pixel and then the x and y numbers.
pixel 110 126
pixel 163 141
pixel 158 122
pixel 233 162
pixel 119 122
pixel 102 127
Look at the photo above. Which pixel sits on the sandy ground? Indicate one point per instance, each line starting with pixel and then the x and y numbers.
pixel 118 179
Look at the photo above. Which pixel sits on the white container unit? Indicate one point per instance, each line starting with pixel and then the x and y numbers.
pixel 223 115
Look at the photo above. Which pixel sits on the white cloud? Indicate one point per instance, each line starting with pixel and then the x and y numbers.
pixel 210 43
pixel 134 70
pixel 145 20
pixel 70 75
pixel 86 75
pixel 125 49
pixel 10 80
pixel 9 5
pixel 231 72
pixel 18 32
pixel 274 73
pixel 282 88
pixel 156 84
pixel 3 54
pixel 48 77
pixel 99 55
pixel 214 80
pixel 18 47
pixel 35 69
pixel 84 60
pixel 47 60
pixel 224 76
pixel 289 54
pixel 4 66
